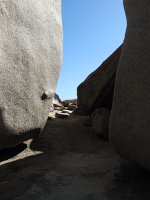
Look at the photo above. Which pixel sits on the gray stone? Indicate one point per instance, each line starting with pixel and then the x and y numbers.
pixel 60 114
pixel 97 89
pixel 57 101
pixel 72 107
pixel 66 111
pixel 130 117
pixel 100 122
pixel 30 61
pixel 67 102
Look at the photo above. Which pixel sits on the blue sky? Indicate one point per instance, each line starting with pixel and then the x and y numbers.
pixel 92 30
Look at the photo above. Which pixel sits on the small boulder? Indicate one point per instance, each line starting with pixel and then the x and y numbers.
pixel 57 101
pixel 61 115
pixel 72 107
pixel 68 102
pixel 100 122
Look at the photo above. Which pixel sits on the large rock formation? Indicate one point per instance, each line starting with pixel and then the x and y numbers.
pixel 97 89
pixel 95 94
pixel 30 61
pixel 130 117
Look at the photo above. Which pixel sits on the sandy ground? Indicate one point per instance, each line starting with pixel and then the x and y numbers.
pixel 68 162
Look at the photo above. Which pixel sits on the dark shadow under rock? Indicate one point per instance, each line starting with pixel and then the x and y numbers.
pixel 8 153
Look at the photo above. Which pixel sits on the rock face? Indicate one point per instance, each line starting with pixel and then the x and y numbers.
pixel 130 117
pixel 30 61
pixel 97 89
pixel 95 94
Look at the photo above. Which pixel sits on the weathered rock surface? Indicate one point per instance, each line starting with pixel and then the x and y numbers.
pixel 68 102
pixel 30 61
pixel 69 162
pixel 100 122
pixel 97 89
pixel 63 109
pixel 130 117
pixel 57 101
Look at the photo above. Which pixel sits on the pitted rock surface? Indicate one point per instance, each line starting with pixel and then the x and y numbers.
pixel 30 61
pixel 130 127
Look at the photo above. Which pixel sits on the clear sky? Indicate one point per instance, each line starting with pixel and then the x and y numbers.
pixel 92 30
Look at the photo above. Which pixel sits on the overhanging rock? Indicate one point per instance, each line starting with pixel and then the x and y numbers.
pixel 30 61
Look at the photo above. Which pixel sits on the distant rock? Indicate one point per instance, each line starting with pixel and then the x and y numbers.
pixel 70 102
pixel 57 101
pixel 72 107
pixel 62 109
pixel 66 111
pixel 98 88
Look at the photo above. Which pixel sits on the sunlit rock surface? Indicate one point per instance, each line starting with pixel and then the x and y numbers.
pixel 30 61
